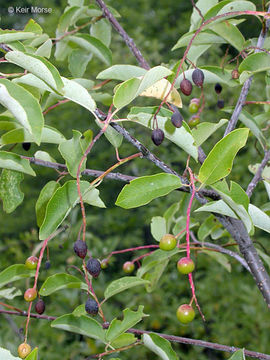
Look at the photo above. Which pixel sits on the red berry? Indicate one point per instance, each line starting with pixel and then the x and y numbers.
pixel 194 121
pixel 30 294
pixel 80 248
pixel 185 265
pixel 128 267
pixel 40 306
pixel 185 313
pixel 31 262
pixel 24 350
pixel 157 136
pixel 186 87
pixel 198 77
pixel 167 242
pixel 235 74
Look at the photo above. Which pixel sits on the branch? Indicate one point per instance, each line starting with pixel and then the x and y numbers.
pixel 258 176
pixel 130 43
pixel 245 89
pixel 172 338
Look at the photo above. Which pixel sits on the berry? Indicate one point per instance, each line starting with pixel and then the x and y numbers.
pixel 128 267
pixel 198 77
pixel 40 306
pixel 220 104
pixel 80 248
pixel 26 146
pixel 185 265
pixel 194 121
pixel 91 307
pixel 177 119
pixel 218 88
pixel 31 262
pixel 185 313
pixel 157 136
pixel 24 350
pixel 235 74
pixel 30 294
pixel 186 87
pixel 104 263
pixel 194 105
pixel 47 265
pixel 168 242
pixel 93 266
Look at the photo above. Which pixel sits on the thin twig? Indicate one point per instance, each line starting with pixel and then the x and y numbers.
pixel 257 177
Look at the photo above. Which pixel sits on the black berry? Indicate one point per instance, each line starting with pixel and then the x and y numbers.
pixel 47 265
pixel 80 248
pixel 157 136
pixel 186 87
pixel 198 77
pixel 91 307
pixel 218 88
pixel 40 306
pixel 177 119
pixel 220 104
pixel 26 146
pixel 93 266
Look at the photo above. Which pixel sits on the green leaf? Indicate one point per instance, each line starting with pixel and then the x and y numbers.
pixel 7 36
pixel 235 6
pixel 122 284
pixel 219 161
pixel 130 89
pixel 73 150
pixel 238 355
pixel 45 49
pixel 102 30
pixel 10 293
pixel 230 33
pixel 204 6
pixel 93 45
pixel 260 219
pixel 158 227
pixel 83 325
pixel 77 62
pixel 118 327
pixel 182 136
pixel 13 161
pixel 146 189
pixel 61 281
pixel 13 273
pixel 38 66
pixel 33 355
pixel 154 275
pixel 206 37
pixel 255 63
pixel 79 311
pixel 33 26
pixel 219 207
pixel 159 346
pixel 265 174
pixel 61 203
pixel 43 199
pixel 112 135
pixel 10 191
pixel 69 18
pixel 220 258
pixel 204 130
pixel 6 355
pixel 169 215
pixel 215 9
pixel 207 227
pixel 121 72
pixel 23 106
pixel 123 340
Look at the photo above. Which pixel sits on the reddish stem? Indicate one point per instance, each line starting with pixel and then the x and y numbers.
pixel 131 249
pixel 142 256
pixel 55 106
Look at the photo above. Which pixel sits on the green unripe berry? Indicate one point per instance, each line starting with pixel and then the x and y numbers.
pixel 30 294
pixel 194 121
pixel 24 350
pixel 31 262
pixel 185 265
pixel 168 242
pixel 128 267
pixel 194 105
pixel 104 263
pixel 185 313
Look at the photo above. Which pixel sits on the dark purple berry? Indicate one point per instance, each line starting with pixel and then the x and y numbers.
pixel 91 307
pixel 177 119
pixel 47 265
pixel 26 146
pixel 40 306
pixel 198 77
pixel 186 87
pixel 218 88
pixel 80 248
pixel 157 136
pixel 220 104
pixel 93 266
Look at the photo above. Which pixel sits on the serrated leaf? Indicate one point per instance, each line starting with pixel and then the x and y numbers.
pixel 121 72
pixel 10 191
pixel 204 130
pixel 13 161
pixel 13 273
pixel 38 66
pixel 23 106
pixel 61 281
pixel 118 327
pixel 220 258
pixel 45 195
pixel 158 227
pixel 146 189
pixel 6 355
pixel 260 219
pixel 10 293
pixel 61 203
pixel 33 355
pixel 219 161
pixel 159 346
pixel 122 284
pixel 83 325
